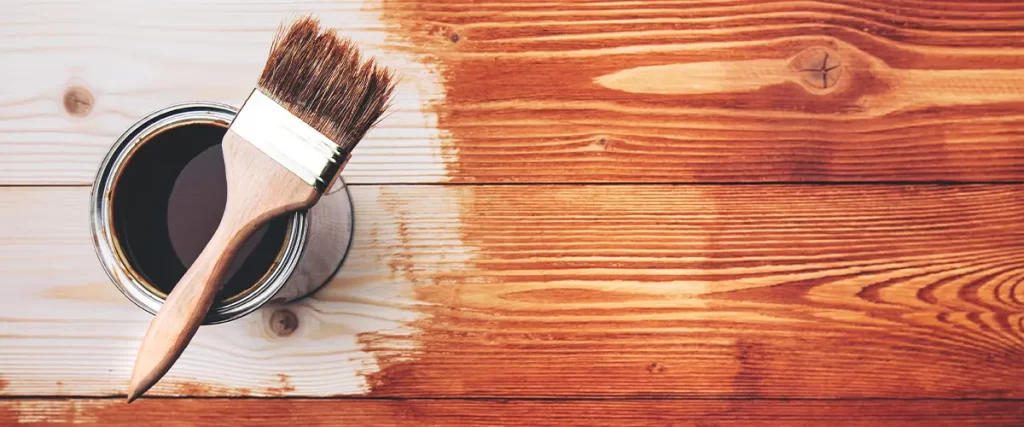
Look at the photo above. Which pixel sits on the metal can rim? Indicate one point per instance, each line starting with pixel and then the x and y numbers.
pixel 101 224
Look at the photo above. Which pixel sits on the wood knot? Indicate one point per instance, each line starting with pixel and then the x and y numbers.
pixel 283 322
pixel 78 101
pixel 597 145
pixel 444 32
pixel 656 368
pixel 820 69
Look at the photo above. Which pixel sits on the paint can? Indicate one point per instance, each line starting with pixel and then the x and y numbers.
pixel 158 196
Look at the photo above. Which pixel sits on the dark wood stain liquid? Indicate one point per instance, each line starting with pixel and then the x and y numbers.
pixel 168 202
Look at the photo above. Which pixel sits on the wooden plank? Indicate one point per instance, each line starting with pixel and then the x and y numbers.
pixel 289 412
pixel 588 91
pixel 561 291
pixel 727 91
pixel 86 72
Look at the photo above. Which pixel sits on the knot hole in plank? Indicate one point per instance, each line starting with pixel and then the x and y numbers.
pixel 283 322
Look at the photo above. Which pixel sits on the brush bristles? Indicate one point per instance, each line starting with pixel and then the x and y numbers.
pixel 323 80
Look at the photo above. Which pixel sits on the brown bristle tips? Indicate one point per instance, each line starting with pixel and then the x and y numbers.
pixel 323 79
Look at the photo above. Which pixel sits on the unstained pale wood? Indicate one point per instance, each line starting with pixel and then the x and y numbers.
pixel 588 91
pixel 572 291
pixel 627 413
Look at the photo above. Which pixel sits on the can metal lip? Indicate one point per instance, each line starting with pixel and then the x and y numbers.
pixel 102 227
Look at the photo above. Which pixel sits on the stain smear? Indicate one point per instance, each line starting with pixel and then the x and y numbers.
pixel 196 389
pixel 284 388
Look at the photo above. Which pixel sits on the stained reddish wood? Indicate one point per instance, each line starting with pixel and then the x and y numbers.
pixel 289 412
pixel 746 291
pixel 729 91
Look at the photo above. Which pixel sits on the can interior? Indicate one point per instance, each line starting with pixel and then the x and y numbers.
pixel 167 201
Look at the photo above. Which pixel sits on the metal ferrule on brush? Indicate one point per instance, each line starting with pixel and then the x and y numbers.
pixel 288 140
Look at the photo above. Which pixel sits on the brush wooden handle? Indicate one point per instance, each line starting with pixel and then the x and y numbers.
pixel 187 305
pixel 259 189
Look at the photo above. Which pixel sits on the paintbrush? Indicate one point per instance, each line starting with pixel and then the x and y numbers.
pixel 315 100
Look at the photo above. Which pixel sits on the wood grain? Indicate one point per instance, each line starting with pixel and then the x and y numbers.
pixel 728 91
pixel 756 291
pixel 81 80
pixel 587 91
pixel 288 412
pixel 893 303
